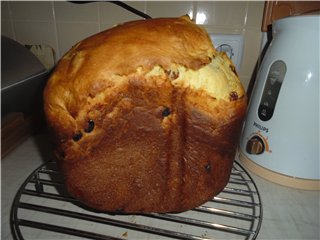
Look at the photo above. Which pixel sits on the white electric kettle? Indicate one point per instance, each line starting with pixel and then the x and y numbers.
pixel 280 140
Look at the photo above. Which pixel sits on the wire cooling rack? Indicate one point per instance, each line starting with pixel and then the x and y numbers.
pixel 42 209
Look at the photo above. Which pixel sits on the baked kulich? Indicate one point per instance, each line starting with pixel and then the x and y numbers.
pixel 145 117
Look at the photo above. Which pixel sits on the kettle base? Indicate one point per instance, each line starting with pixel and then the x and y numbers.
pixel 285 180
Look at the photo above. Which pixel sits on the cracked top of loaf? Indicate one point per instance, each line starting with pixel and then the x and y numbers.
pixel 174 47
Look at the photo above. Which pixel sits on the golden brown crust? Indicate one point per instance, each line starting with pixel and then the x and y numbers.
pixel 136 125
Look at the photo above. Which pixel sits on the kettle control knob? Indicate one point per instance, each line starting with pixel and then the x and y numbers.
pixel 255 145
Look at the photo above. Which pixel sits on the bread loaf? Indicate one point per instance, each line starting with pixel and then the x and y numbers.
pixel 145 117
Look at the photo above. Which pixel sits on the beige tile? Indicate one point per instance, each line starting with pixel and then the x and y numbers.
pixel 139 5
pixel 229 14
pixel 33 10
pixel 66 11
pixel 112 14
pixel 251 51
pixel 221 29
pixel 245 80
pixel 105 26
pixel 33 32
pixel 169 9
pixel 69 33
pixel 254 14
pixel 7 29
pixel 5 11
